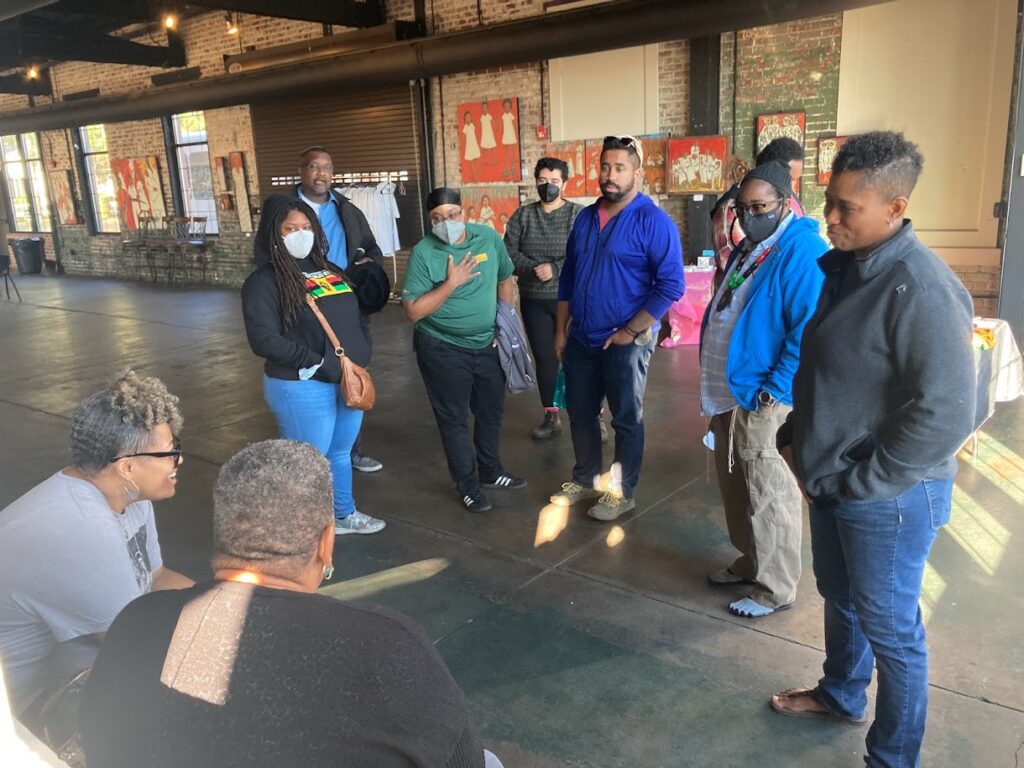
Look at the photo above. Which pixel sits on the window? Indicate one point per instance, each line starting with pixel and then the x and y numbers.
pixel 26 183
pixel 94 167
pixel 190 167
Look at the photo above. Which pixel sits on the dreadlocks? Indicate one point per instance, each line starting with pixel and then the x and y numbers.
pixel 291 283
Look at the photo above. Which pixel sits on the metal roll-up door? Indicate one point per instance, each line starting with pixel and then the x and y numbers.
pixel 367 132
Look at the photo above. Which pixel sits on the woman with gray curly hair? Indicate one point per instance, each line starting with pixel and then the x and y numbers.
pixel 82 544
pixel 255 668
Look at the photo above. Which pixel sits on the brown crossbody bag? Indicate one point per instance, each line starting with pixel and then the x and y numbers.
pixel 356 385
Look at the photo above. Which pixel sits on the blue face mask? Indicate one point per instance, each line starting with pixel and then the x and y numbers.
pixel 449 232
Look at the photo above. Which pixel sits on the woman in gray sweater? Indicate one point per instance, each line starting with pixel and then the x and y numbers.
pixel 535 237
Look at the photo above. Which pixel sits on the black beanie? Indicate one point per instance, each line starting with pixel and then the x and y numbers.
pixel 775 173
pixel 443 196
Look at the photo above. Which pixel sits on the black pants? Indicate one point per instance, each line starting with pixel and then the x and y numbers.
pixel 539 320
pixel 460 380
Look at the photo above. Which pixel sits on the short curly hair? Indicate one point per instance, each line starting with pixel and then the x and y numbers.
pixel 120 419
pixel 783 148
pixel 271 501
pixel 891 164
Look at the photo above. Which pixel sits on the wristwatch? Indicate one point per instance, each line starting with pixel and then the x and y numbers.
pixel 765 399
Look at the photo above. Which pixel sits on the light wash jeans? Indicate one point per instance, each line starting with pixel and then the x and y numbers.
pixel 869 560
pixel 314 412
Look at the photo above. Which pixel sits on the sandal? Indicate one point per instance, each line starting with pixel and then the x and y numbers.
pixel 803 702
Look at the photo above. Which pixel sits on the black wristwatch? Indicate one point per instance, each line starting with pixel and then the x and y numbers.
pixel 765 399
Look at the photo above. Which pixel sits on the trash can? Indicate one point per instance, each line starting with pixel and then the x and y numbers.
pixel 28 254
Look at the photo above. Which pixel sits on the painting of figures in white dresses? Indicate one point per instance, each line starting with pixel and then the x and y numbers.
pixel 489 148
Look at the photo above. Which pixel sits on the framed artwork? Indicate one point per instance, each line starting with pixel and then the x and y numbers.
pixel 574 154
pixel 489 148
pixel 696 165
pixel 655 152
pixel 592 157
pixel 63 198
pixel 138 190
pixel 489 206
pixel 828 146
pixel 788 124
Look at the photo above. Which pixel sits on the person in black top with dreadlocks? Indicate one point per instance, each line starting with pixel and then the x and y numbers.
pixel 301 372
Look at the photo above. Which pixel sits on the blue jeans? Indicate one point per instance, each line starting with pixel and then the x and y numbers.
pixel 314 412
pixel 869 560
pixel 620 374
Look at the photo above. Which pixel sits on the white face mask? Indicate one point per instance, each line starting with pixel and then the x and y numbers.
pixel 299 243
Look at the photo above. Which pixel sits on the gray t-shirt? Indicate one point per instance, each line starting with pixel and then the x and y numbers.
pixel 68 565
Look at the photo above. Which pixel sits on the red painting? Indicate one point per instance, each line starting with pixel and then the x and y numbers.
pixel 574 155
pixel 489 141
pixel 696 165
pixel 489 206
pixel 138 190
pixel 771 127
pixel 655 153
pixel 828 147
pixel 592 153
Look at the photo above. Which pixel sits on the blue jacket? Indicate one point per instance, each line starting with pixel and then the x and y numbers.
pixel 608 276
pixel 764 349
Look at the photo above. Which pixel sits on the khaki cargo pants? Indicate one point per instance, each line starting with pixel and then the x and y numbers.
pixel 763 506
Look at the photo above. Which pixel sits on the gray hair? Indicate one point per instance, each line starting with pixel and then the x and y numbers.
pixel 271 502
pixel 119 420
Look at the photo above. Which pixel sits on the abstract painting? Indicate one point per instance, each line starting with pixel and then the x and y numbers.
pixel 63 197
pixel 138 190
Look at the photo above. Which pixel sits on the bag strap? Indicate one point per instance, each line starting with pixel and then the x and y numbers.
pixel 338 349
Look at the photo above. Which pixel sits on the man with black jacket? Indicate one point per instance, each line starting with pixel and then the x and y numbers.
pixel 348 233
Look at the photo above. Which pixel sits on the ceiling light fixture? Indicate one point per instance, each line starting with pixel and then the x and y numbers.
pixel 32 73
pixel 170 21
pixel 232 23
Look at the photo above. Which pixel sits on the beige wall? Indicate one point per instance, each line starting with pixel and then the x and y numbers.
pixel 941 71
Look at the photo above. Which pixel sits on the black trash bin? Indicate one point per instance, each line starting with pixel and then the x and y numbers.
pixel 28 254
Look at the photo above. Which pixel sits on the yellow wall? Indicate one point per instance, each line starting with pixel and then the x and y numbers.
pixel 941 71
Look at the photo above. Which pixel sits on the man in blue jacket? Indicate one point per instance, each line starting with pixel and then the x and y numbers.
pixel 623 269
pixel 750 348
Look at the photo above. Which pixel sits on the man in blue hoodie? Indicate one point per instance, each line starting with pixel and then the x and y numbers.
pixel 750 348
pixel 623 269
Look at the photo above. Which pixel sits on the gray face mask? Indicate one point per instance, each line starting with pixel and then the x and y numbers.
pixel 449 232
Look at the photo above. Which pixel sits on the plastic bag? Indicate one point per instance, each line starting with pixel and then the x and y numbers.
pixel 559 397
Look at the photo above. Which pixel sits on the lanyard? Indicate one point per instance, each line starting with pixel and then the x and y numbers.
pixel 737 278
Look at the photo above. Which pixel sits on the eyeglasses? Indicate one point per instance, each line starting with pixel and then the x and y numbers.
pixel 630 142
pixel 453 217
pixel 755 208
pixel 176 453
pixel 318 168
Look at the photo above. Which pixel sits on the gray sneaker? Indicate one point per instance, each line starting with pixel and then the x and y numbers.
pixel 573 493
pixel 357 522
pixel 366 464
pixel 611 506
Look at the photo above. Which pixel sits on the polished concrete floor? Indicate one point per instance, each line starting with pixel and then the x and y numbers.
pixel 577 643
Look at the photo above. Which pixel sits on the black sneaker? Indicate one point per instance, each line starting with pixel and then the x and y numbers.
pixel 548 428
pixel 476 502
pixel 505 480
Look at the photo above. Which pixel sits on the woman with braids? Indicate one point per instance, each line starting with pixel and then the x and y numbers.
pixel 82 544
pixel 301 372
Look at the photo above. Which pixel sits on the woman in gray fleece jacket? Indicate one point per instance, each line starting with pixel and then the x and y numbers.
pixel 882 401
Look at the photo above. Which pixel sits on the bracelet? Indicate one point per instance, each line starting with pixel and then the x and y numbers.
pixel 630 331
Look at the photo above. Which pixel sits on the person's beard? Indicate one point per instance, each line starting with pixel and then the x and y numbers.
pixel 615 197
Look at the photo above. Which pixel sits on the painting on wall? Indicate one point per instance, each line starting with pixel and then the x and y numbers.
pixel 489 141
pixel 490 206
pixel 592 155
pixel 138 192
pixel 63 197
pixel 828 147
pixel 696 165
pixel 771 127
pixel 655 152
pixel 237 165
pixel 574 154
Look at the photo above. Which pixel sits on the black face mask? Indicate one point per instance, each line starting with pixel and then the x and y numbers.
pixel 758 227
pixel 548 193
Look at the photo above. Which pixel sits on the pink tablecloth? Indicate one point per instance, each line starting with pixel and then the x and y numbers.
pixel 685 315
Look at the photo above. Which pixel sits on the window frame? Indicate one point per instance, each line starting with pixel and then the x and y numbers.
pixel 86 181
pixel 172 145
pixel 34 195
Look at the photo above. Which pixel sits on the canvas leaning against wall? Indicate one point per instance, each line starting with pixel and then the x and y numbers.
pixel 63 198
pixel 489 148
pixel 489 206
pixel 138 190
pixel 696 165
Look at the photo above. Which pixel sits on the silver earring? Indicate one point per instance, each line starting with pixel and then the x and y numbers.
pixel 133 494
pixel 328 572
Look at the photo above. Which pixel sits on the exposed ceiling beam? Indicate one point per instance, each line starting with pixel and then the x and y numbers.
pixel 345 13
pixel 21 84
pixel 58 43
pixel 590 29
pixel 11 8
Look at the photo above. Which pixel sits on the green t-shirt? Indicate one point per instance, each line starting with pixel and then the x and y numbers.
pixel 466 319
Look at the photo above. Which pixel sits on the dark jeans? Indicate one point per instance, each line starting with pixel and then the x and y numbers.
pixel 620 374
pixel 539 321
pixel 460 380
pixel 869 559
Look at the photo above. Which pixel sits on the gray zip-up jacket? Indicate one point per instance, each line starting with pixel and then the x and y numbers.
pixel 512 349
pixel 885 392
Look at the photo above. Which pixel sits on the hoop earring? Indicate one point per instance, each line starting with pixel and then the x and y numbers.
pixel 133 494
pixel 328 571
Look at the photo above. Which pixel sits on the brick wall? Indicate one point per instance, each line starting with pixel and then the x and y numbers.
pixel 983 283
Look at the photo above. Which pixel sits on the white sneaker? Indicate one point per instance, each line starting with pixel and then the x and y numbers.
pixel 357 522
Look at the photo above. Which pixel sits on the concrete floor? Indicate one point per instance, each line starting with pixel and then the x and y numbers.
pixel 577 643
